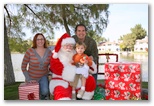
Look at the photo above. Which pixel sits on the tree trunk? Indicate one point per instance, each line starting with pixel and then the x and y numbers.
pixel 8 69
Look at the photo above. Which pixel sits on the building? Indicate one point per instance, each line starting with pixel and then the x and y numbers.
pixel 108 47
pixel 141 45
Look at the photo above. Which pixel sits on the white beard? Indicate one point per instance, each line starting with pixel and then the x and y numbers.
pixel 65 56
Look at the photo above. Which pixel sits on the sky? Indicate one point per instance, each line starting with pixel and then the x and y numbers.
pixel 122 18
pixel 130 16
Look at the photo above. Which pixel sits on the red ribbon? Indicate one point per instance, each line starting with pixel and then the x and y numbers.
pixel 31 96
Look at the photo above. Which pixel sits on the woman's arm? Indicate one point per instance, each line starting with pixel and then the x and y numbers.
pixel 24 64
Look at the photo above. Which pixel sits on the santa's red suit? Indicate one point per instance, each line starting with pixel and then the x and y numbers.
pixel 63 72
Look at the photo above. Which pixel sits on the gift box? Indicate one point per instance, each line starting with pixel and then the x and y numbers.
pixel 28 91
pixel 122 81
pixel 99 93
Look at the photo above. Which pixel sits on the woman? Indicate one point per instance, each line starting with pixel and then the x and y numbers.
pixel 35 64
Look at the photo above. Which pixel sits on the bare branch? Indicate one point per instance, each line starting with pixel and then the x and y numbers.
pixel 42 21
pixel 8 16
pixel 32 11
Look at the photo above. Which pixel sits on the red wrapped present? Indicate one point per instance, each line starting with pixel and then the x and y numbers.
pixel 28 91
pixel 122 81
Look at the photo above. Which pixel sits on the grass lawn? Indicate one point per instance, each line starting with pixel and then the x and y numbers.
pixel 11 91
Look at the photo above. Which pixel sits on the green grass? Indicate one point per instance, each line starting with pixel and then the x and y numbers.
pixel 145 85
pixel 11 91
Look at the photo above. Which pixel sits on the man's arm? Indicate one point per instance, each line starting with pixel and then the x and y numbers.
pixel 94 52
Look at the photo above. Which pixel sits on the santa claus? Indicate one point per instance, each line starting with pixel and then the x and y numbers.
pixel 63 72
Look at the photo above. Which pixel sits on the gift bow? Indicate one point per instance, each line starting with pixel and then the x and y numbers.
pixel 31 96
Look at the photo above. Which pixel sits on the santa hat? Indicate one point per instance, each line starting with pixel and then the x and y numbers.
pixel 65 38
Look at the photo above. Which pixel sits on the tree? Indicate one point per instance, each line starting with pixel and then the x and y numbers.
pixel 45 18
pixel 138 31
pixel 8 69
pixel 129 39
pixel 96 37
pixel 17 44
pixel 128 42
pixel 94 16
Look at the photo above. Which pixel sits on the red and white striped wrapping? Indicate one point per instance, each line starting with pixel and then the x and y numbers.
pixel 122 81
pixel 28 91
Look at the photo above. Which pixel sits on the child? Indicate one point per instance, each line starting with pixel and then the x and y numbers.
pixel 83 62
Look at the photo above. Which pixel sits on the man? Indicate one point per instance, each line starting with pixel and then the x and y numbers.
pixel 91 50
pixel 63 71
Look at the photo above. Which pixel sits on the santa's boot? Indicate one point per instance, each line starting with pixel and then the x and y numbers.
pixel 61 93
